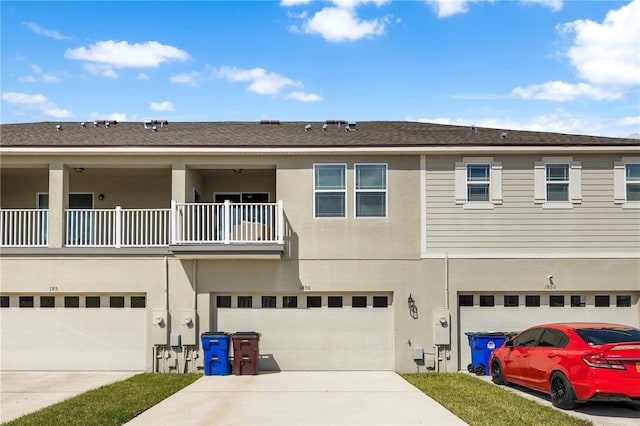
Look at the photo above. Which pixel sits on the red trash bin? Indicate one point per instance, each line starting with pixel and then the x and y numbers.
pixel 246 353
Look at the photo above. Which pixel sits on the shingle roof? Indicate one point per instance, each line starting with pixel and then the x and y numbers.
pixel 285 134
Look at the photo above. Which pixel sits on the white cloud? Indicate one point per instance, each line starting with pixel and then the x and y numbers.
pixel 104 57
pixel 34 105
pixel 288 3
pixel 303 97
pixel 608 53
pixel 556 123
pixel 45 32
pixel 261 81
pixel 337 24
pixel 554 5
pixel 629 121
pixel 117 116
pixel 445 8
pixel 39 76
pixel 188 78
pixel 606 57
pixel 102 70
pixel 142 76
pixel 560 91
pixel 161 106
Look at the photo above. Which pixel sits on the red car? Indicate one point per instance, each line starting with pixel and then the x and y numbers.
pixel 573 362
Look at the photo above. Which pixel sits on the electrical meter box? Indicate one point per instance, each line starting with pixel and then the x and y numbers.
pixel 418 353
pixel 159 320
pixel 188 327
pixel 441 327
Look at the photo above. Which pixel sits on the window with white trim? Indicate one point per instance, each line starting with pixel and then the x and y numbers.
pixel 371 190
pixel 557 182
pixel 478 183
pixel 632 181
pixel 329 187
pixel 626 182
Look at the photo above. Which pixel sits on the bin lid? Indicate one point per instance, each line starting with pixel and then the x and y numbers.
pixel 487 333
pixel 215 333
pixel 245 333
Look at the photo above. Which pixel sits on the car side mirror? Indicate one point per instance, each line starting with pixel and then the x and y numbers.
pixel 508 344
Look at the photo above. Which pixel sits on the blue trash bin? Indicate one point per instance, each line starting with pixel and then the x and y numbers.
pixel 216 353
pixel 482 344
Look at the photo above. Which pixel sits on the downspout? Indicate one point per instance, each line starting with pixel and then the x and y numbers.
pixel 446 280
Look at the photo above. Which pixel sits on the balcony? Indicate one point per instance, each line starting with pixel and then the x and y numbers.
pixel 187 229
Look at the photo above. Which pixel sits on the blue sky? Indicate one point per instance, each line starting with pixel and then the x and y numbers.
pixel 544 65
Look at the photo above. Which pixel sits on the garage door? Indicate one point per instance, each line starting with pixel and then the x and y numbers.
pixel 515 312
pixel 313 332
pixel 81 339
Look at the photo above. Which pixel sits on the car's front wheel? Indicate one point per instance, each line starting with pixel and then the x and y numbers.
pixel 497 376
pixel 562 393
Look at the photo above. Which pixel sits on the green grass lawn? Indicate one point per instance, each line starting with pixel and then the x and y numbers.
pixel 112 404
pixel 481 403
pixel 474 401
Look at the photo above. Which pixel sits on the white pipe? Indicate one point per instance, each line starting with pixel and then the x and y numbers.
pixel 446 280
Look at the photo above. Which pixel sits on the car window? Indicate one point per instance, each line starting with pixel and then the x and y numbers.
pixel 527 338
pixel 552 338
pixel 602 336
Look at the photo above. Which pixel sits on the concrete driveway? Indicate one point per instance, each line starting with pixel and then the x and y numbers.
pixel 300 398
pixel 26 392
pixel 598 413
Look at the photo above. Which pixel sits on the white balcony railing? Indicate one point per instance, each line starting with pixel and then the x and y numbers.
pixel 227 222
pixel 118 227
pixel 23 228
pixel 183 223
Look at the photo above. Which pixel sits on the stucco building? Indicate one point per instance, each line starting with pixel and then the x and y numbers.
pixel 348 246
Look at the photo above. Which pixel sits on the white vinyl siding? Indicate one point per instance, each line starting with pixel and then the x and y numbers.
pixel 519 225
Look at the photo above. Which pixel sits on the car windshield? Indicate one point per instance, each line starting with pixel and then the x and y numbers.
pixel 602 336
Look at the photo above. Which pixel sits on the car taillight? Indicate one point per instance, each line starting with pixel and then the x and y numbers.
pixel 599 361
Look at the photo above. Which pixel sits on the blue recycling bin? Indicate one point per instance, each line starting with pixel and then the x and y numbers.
pixel 482 344
pixel 216 353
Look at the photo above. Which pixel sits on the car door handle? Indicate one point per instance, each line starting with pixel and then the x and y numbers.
pixel 552 355
pixel 525 355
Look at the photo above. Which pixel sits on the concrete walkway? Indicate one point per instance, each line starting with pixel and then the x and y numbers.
pixel 26 391
pixel 299 398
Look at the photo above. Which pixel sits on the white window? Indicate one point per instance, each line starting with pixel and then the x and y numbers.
pixel 329 187
pixel 478 183
pixel 371 190
pixel 627 182
pixel 557 182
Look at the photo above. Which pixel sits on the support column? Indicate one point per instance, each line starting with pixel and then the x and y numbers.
pixel 58 202
pixel 179 182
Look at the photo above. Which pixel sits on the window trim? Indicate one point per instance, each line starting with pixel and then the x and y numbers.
pixel 462 184
pixel 357 191
pixel 574 189
pixel 343 190
pixel 620 183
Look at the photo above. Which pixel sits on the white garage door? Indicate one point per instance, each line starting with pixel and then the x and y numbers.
pixel 316 338
pixel 515 312
pixel 60 339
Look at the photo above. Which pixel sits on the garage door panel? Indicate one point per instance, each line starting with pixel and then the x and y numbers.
pixel 73 340
pixel 319 338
